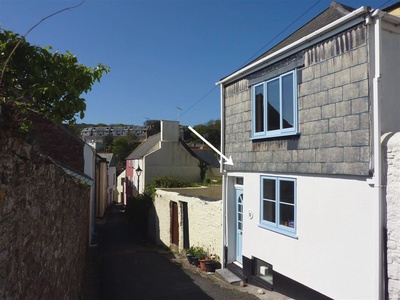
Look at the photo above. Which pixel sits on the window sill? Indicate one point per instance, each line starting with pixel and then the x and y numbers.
pixel 279 231
pixel 289 136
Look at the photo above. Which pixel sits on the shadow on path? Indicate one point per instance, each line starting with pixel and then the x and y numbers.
pixel 127 269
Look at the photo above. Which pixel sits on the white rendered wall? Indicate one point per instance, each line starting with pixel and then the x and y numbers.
pixel 90 170
pixel 205 222
pixel 120 187
pixel 393 216
pixel 390 91
pixel 335 230
pixel 112 177
pixel 172 159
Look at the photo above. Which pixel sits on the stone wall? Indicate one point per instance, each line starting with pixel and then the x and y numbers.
pixel 44 216
pixel 333 114
pixel 204 214
pixel 392 164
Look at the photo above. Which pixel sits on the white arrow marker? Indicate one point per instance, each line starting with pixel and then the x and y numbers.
pixel 229 160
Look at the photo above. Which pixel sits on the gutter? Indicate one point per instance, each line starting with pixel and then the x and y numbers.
pixel 224 180
pixel 376 180
pixel 301 42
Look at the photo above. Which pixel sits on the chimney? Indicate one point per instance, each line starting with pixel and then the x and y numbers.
pixel 169 131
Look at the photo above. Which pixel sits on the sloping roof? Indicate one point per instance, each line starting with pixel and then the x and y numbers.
pixel 59 145
pixel 145 147
pixel 207 156
pixel 334 12
pixel 57 142
pixel 393 9
pixel 109 157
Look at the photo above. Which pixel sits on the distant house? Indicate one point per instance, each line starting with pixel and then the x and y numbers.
pixel 96 136
pixel 111 177
pixel 305 202
pixel 121 187
pixel 101 186
pixel 162 154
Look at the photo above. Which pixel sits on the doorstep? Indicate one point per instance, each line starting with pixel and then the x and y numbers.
pixel 228 276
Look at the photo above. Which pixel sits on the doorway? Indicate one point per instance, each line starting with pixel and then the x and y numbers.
pixel 174 224
pixel 239 224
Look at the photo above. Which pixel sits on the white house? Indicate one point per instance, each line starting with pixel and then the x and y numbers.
pixel 111 177
pixel 121 187
pixel 162 154
pixel 304 202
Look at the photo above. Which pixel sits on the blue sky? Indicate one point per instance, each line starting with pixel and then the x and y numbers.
pixel 164 54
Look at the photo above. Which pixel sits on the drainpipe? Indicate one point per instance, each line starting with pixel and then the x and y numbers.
pixel 376 180
pixel 224 177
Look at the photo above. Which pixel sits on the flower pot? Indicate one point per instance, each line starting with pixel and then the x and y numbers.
pixel 203 263
pixel 195 261
pixel 211 265
pixel 190 258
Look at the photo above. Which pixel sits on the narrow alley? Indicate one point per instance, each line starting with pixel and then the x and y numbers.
pixel 123 266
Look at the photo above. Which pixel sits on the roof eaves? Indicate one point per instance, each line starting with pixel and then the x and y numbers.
pixel 68 170
pixel 281 50
pixel 145 147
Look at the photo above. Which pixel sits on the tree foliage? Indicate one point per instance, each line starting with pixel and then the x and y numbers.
pixel 47 82
pixel 210 131
pixel 123 146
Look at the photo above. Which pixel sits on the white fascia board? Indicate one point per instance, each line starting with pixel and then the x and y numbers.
pixel 331 29
pixel 387 17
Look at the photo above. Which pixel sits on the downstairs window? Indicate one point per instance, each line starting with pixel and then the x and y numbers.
pixel 278 204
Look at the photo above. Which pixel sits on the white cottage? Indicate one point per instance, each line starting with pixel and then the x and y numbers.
pixel 304 202
pixel 162 154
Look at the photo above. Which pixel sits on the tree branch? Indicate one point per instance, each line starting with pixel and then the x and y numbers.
pixel 33 27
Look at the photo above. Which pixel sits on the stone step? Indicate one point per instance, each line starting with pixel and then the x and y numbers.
pixel 228 276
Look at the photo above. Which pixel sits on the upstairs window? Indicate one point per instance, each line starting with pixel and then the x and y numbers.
pixel 274 107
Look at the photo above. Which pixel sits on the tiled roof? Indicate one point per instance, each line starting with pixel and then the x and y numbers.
pixel 145 147
pixel 57 142
pixel 334 12
pixel 331 14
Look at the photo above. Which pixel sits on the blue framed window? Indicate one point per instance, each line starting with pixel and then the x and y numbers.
pixel 274 107
pixel 278 204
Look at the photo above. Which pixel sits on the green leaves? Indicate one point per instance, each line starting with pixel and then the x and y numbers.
pixel 48 82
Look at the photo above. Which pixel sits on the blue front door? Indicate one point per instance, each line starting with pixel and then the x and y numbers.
pixel 239 224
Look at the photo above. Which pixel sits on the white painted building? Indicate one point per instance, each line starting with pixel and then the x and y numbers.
pixel 163 154
pixel 111 177
pixel 121 187
pixel 304 203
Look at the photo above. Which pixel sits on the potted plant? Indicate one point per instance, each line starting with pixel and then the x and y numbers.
pixel 195 261
pixel 199 254
pixel 190 254
pixel 194 253
pixel 211 265
pixel 203 262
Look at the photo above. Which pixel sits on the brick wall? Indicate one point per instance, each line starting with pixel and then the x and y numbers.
pixel 43 225
pixel 333 114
